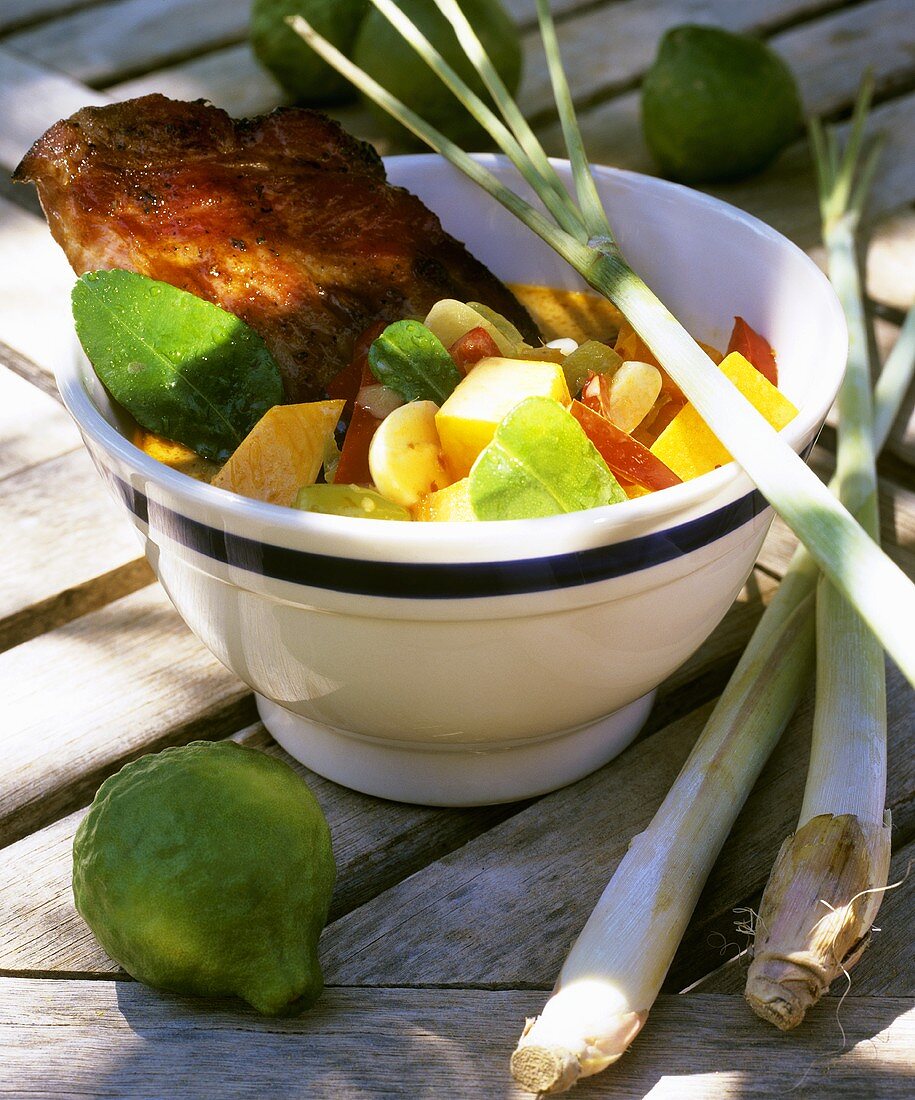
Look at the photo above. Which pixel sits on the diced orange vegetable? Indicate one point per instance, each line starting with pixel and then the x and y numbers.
pixel 446 505
pixel 755 348
pixel 175 455
pixel 282 452
pixel 688 446
pixel 625 456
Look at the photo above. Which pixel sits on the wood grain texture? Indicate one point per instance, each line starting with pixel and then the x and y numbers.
pixel 505 908
pixel 16 13
pixel 377 843
pixel 828 58
pixel 83 699
pixel 609 48
pixel 33 428
pixel 33 98
pixel 35 284
pixel 117 1039
pixel 103 42
pixel 65 546
pixel 897 525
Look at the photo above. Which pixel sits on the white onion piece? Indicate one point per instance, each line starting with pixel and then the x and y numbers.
pixel 379 400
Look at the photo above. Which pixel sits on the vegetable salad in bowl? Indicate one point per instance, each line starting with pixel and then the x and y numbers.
pixel 453 418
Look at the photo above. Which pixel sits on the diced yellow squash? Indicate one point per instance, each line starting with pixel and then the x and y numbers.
pixel 450 504
pixel 688 446
pixel 282 452
pixel 405 455
pixel 468 419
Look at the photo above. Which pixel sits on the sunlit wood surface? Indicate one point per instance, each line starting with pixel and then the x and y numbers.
pixel 448 926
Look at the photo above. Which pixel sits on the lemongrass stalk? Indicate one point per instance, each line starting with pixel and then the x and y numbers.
pixel 586 188
pixel 828 880
pixel 644 911
pixel 517 123
pixel 556 200
pixel 838 544
pixel 894 380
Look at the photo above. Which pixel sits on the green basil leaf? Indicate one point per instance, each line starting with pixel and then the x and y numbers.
pixel 540 463
pixel 180 366
pixel 410 359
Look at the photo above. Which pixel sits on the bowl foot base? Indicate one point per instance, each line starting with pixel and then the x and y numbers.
pixel 454 775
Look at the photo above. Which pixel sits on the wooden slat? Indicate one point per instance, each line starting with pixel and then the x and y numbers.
pixel 610 48
pixel 81 700
pixel 897 524
pixel 47 936
pixel 33 98
pixel 35 283
pixel 883 971
pixel 109 40
pixel 505 908
pixel 65 545
pixel 117 1039
pixel 16 13
pixel 33 428
pixel 376 844
pixel 607 48
pixel 828 59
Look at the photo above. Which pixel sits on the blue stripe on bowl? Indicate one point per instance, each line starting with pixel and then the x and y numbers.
pixel 416 580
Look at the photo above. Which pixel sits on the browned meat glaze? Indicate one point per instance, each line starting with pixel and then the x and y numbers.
pixel 285 220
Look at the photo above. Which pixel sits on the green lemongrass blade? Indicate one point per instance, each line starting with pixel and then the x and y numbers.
pixel 820 159
pixel 585 187
pixel 838 544
pixel 479 58
pixel 560 207
pixel 847 771
pixel 865 176
pixel 894 380
pixel 743 729
pixel 616 967
pixel 849 160
pixel 566 245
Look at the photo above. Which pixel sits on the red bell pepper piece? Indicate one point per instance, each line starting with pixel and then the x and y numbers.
pixel 349 381
pixel 353 467
pixel 623 454
pixel 754 348
pixel 473 346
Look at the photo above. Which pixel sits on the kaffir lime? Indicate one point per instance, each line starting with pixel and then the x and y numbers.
pixel 299 70
pixel 383 54
pixel 717 105
pixel 208 869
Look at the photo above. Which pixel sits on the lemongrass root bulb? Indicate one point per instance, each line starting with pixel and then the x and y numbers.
pixel 815 918
pixel 584 1027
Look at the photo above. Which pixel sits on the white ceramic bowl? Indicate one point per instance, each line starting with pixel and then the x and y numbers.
pixel 461 664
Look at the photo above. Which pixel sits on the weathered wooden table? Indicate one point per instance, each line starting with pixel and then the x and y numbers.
pixel 448 926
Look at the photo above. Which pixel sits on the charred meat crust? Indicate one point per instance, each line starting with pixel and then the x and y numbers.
pixel 285 220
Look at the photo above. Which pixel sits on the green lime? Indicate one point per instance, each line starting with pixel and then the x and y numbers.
pixel 295 65
pixel 384 55
pixel 716 105
pixel 208 869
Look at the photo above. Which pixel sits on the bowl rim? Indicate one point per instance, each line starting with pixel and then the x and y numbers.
pixel 509 539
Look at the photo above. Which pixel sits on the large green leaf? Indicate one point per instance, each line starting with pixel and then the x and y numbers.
pixel 540 463
pixel 180 366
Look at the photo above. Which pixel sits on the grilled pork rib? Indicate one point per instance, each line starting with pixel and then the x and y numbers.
pixel 285 220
